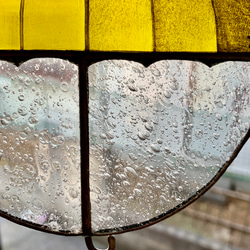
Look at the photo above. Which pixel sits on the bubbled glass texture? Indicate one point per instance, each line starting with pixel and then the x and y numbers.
pixel 39 143
pixel 159 134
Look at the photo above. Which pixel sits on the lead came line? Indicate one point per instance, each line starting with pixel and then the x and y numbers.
pixel 84 143
pixel 21 16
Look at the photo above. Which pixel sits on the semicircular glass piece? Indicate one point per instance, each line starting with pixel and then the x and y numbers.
pixel 39 144
pixel 159 135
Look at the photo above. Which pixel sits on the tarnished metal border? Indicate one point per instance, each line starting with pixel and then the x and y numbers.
pixel 83 60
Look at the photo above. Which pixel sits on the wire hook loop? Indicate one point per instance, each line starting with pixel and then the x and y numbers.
pixel 90 245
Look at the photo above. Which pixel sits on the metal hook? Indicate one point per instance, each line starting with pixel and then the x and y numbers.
pixel 111 241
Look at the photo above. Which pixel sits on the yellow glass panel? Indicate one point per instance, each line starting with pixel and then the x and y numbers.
pixel 185 26
pixel 233 25
pixel 9 24
pixel 54 24
pixel 120 25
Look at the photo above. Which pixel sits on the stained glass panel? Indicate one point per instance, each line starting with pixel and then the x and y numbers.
pixel 185 26
pixel 39 144
pixel 54 25
pixel 120 25
pixel 232 21
pixel 10 24
pixel 159 135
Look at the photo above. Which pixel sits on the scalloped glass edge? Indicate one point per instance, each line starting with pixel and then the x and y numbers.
pixel 129 105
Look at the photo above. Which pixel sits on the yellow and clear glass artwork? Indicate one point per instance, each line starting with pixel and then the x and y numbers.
pixel 101 143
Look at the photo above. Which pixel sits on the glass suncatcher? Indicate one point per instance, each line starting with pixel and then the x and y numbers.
pixel 110 122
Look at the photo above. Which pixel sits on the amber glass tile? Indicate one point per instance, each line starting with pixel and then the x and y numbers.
pixel 9 24
pixel 233 25
pixel 185 26
pixel 56 25
pixel 120 25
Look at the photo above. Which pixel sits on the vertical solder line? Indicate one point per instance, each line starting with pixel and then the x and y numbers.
pixel 21 16
pixel 86 25
pixel 153 24
pixel 84 144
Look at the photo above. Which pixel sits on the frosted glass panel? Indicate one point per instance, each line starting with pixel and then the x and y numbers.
pixel 39 143
pixel 158 135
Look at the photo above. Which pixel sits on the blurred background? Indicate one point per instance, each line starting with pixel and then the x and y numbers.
pixel 220 219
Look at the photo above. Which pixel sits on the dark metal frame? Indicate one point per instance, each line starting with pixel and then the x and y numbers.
pixel 83 60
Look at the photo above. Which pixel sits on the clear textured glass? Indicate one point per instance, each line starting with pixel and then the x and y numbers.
pixel 158 135
pixel 39 143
